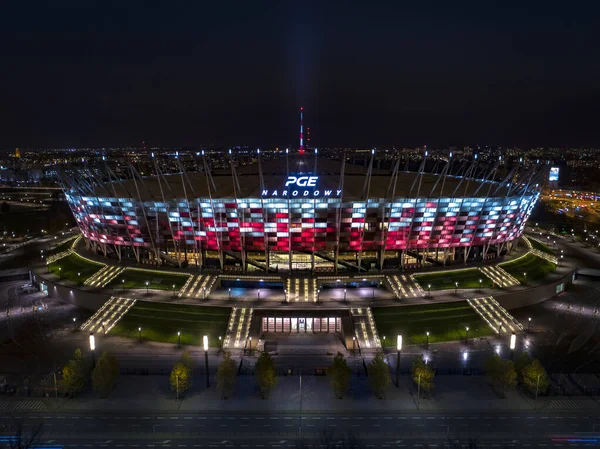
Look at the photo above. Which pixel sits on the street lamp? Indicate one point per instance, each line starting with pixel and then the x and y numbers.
pixel 230 293
pixel 78 277
pixel 173 290
pixel 205 342
pixel 398 351
pixel 419 392
pixel 480 281
pixel 344 295
pixel 427 333
pixel 60 272
pixel 529 324
pixel 203 292
pixel 429 290
pixel 525 275
pixel 220 342
pixel 467 334
pixel 513 342
pixel 179 339
pixel 456 288
pixel 93 348
pixel 384 342
pixel 354 345
pixel 140 334
pixel 147 283
pixel 123 285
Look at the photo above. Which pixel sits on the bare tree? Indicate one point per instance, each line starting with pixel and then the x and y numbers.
pixel 22 436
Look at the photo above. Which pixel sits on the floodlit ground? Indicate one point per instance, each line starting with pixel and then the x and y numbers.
pixel 156 280
pixel 535 267
pixel 445 280
pixel 74 268
pixel 445 322
pixel 161 322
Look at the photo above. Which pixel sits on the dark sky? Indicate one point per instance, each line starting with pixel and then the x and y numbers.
pixel 368 73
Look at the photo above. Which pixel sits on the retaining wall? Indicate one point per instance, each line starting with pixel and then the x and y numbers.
pixel 530 296
pixel 84 299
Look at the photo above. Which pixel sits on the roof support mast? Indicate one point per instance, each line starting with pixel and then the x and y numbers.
pixel 264 213
pixel 365 225
pixel 338 223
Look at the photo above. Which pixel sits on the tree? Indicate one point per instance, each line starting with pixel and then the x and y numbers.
pixel 265 374
pixel 501 372
pixel 522 360
pixel 24 436
pixel 379 375
pixel 226 375
pixel 186 359
pixel 75 373
pixel 423 376
pixel 105 374
pixel 535 378
pixel 180 378
pixel 339 375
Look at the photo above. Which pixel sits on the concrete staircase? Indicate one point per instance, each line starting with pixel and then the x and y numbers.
pixel 238 328
pixel 499 276
pixel 109 314
pixel 364 328
pixel 104 277
pixel 198 286
pixel 404 286
pixel 301 289
pixel 496 316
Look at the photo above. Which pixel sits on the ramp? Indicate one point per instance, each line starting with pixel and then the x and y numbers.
pixel 198 286
pixel 301 289
pixel 364 328
pixel 404 286
pixel 109 314
pixel 104 277
pixel 238 328
pixel 499 276
pixel 496 316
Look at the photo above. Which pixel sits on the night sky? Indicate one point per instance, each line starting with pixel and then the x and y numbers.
pixel 84 73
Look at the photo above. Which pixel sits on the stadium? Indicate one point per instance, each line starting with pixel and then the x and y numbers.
pixel 302 212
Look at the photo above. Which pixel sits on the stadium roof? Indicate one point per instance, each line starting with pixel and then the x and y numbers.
pixel 275 177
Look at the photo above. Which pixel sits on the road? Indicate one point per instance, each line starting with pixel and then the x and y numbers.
pixel 185 429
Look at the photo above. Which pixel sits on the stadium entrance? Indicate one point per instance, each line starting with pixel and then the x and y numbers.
pixel 295 325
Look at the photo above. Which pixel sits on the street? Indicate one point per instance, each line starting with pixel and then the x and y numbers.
pixel 243 429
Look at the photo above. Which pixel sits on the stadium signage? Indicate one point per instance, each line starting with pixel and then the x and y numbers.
pixel 292 189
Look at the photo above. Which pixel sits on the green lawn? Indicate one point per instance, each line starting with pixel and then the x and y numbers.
pixel 445 280
pixel 156 280
pixel 62 247
pixel 161 322
pixel 74 268
pixel 541 247
pixel 445 322
pixel 535 267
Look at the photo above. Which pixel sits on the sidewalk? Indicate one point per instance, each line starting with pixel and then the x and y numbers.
pixel 152 393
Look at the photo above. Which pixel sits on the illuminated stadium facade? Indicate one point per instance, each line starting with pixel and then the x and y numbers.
pixel 301 212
